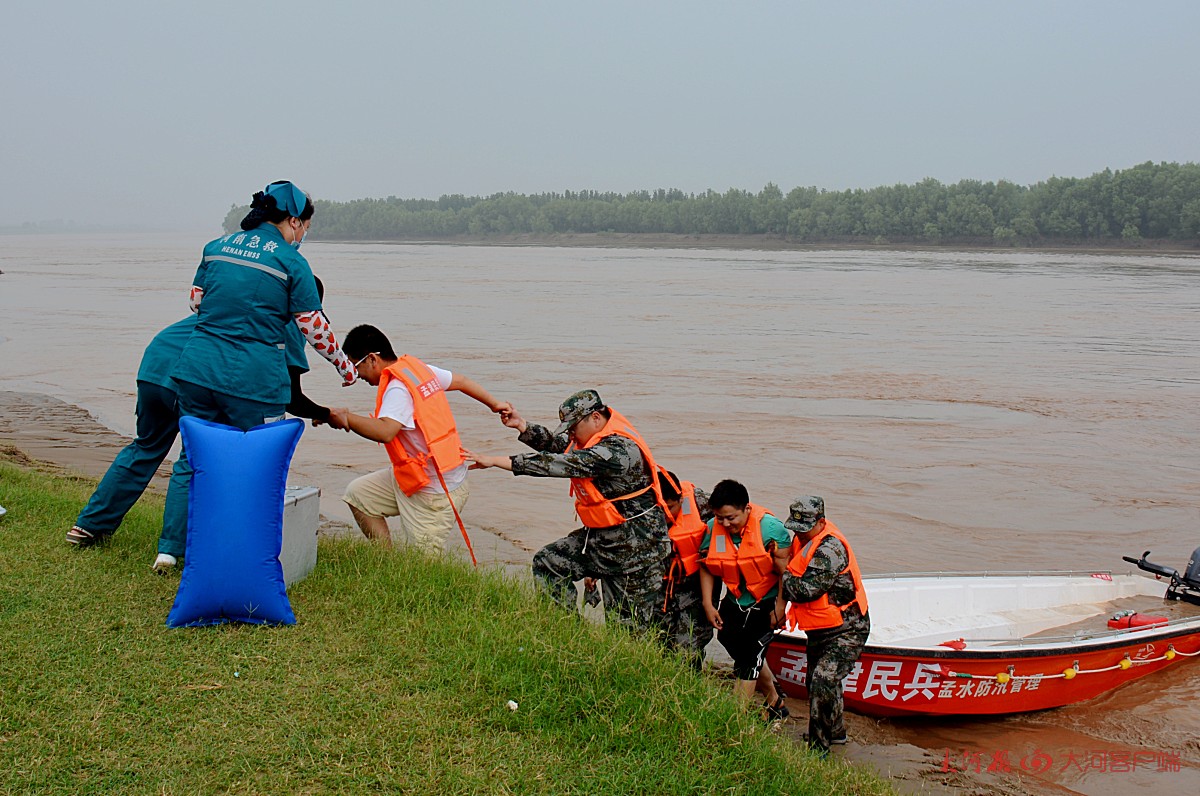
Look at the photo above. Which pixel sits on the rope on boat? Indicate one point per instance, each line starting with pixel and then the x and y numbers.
pixel 1070 672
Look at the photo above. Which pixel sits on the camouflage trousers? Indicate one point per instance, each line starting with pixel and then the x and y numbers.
pixel 633 580
pixel 688 628
pixel 831 656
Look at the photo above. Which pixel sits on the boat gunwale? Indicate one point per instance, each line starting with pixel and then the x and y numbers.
pixel 985 573
pixel 1027 647
pixel 1135 638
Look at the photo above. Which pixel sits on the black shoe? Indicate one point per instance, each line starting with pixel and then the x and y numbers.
pixel 839 741
pixel 777 712
pixel 822 753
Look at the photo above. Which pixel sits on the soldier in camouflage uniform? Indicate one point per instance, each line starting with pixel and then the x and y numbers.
pixel 829 581
pixel 630 557
pixel 688 628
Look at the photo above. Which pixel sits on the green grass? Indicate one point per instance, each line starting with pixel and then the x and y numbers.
pixel 395 679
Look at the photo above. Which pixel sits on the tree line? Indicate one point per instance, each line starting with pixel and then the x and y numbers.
pixel 1146 202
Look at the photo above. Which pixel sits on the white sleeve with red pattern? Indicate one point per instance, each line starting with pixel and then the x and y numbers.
pixel 194 297
pixel 316 330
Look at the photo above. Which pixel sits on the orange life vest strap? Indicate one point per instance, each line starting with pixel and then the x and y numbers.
pixel 457 518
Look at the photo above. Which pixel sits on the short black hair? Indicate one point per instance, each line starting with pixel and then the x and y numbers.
pixel 366 339
pixel 729 493
pixel 668 482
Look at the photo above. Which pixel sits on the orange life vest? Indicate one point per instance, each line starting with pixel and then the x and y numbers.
pixel 820 614
pixel 431 416
pixel 594 509
pixel 688 530
pixel 748 561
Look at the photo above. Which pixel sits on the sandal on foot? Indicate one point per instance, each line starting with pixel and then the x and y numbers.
pixel 778 711
pixel 82 537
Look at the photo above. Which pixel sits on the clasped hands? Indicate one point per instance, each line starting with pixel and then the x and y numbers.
pixel 511 419
pixel 339 417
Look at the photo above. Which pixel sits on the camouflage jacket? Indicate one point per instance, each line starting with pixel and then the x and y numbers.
pixel 614 464
pixel 702 505
pixel 821 576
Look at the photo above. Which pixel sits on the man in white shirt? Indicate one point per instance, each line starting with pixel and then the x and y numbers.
pixel 426 486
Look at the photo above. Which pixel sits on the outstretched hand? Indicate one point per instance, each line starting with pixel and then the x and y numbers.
pixel 481 462
pixel 340 418
pixel 510 418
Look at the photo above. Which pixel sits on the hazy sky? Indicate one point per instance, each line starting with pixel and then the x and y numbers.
pixel 163 114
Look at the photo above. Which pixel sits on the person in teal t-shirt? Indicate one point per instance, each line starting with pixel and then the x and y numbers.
pixel 745 622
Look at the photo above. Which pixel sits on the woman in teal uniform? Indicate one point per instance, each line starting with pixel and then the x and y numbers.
pixel 249 290
pixel 157 428
pixel 130 473
pixel 251 293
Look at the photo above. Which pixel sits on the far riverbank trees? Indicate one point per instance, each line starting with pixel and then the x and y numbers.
pixel 1152 202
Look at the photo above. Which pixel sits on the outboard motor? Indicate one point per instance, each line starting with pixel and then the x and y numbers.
pixel 1184 587
pixel 1192 575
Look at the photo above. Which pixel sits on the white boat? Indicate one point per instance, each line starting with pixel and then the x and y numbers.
pixel 991 643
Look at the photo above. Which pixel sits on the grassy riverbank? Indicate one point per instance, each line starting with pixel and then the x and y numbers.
pixel 395 679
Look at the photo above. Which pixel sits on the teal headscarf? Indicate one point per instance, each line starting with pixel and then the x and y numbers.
pixel 288 198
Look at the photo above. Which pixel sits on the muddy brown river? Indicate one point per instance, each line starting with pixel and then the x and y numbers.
pixel 957 410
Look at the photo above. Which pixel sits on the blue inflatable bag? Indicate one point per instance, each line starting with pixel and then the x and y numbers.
pixel 231 570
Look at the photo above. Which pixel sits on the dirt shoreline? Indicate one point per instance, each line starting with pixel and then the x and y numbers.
pixel 41 432
pixel 638 240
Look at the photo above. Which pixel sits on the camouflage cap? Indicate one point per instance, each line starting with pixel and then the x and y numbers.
pixel 576 408
pixel 804 514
